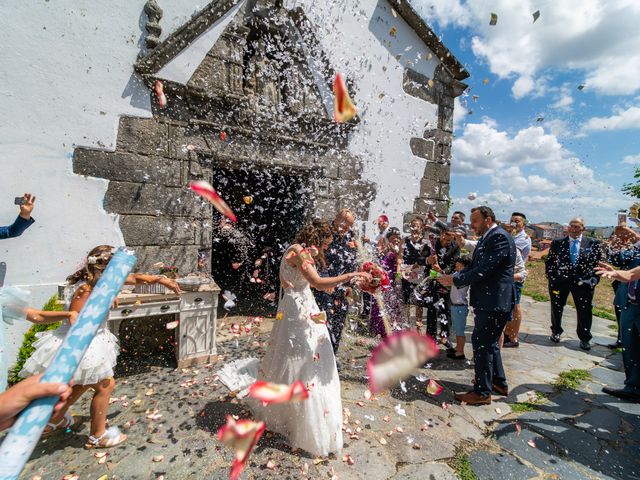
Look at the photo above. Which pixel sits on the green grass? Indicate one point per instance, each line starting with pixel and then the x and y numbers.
pixel 571 379
pixel 530 405
pixel 599 312
pixel 29 338
pixel 462 466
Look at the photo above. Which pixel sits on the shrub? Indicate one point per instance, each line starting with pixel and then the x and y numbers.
pixel 30 337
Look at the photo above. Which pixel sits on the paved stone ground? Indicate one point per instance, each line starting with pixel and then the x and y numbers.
pixel 577 434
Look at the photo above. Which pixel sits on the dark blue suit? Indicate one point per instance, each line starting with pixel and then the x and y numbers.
pixel 15 230
pixel 341 259
pixel 492 297
pixel 630 333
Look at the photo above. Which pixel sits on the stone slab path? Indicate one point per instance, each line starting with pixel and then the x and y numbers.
pixel 401 434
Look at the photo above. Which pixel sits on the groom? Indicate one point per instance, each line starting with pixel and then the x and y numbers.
pixel 341 259
pixel 492 298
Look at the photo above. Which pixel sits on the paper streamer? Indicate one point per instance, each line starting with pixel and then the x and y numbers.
pixel 25 433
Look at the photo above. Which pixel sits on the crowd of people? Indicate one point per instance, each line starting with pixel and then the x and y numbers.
pixel 438 274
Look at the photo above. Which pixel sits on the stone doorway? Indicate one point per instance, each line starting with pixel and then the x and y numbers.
pixel 272 204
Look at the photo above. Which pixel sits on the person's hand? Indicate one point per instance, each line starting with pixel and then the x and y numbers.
pixel 73 316
pixel 605 270
pixel 431 217
pixel 14 400
pixel 27 207
pixel 432 259
pixel 437 267
pixel 459 238
pixel 366 239
pixel 236 265
pixel 445 280
pixel 171 284
pixel 362 276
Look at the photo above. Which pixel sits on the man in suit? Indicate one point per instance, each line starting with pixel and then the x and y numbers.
pixel 570 269
pixel 23 221
pixel 492 297
pixel 340 258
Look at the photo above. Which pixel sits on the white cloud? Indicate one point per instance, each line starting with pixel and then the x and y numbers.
pixel 622 120
pixel 599 38
pixel 531 171
pixel 631 159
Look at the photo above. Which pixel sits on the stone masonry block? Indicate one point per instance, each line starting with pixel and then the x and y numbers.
pixel 148 230
pixel 437 171
pixel 142 135
pixel 127 167
pixel 144 199
pixel 423 148
pixel 185 257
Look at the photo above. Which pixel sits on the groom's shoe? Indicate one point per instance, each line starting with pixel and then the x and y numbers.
pixel 473 398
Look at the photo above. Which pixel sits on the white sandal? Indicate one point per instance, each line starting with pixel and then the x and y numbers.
pixel 67 422
pixel 112 437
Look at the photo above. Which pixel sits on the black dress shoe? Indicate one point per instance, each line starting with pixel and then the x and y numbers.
pixel 510 344
pixel 585 345
pixel 614 345
pixel 455 356
pixel 555 338
pixel 622 393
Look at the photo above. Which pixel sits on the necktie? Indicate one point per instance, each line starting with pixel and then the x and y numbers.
pixel 574 251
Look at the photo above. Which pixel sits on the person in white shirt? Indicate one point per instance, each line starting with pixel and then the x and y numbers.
pixel 459 310
pixel 523 244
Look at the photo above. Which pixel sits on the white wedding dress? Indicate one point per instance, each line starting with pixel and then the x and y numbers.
pixel 299 349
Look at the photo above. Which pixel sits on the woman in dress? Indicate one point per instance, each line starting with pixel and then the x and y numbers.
pixel 300 349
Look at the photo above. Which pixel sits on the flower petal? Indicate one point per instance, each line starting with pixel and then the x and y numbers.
pixel 396 357
pixel 434 388
pixel 205 190
pixel 272 393
pixel 343 109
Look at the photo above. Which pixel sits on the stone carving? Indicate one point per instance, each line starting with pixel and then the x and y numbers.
pixel 154 14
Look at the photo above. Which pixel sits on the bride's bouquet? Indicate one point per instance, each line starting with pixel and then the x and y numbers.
pixel 379 278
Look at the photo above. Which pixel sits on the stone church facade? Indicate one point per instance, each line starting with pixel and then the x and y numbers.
pixel 253 104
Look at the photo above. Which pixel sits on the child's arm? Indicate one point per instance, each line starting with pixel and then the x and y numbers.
pixel 140 278
pixel 43 317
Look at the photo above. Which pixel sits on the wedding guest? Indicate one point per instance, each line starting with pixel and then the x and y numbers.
pixel 442 260
pixel 390 260
pixel 340 259
pixel 492 296
pixel 622 249
pixel 628 300
pixel 570 270
pixel 437 225
pixel 415 251
pixel 23 221
pixel 523 244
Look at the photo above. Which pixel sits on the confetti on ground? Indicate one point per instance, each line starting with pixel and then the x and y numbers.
pixel 434 388
pixel 532 443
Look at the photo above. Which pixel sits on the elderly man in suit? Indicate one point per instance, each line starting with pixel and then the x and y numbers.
pixel 570 269
pixel 492 297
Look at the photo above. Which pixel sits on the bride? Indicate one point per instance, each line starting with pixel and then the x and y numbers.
pixel 300 349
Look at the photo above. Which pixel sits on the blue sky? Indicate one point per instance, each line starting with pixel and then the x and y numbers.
pixel 573 162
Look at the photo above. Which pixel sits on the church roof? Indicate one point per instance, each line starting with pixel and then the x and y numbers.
pixel 217 9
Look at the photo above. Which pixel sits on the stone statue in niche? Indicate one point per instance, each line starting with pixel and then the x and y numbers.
pixel 262 77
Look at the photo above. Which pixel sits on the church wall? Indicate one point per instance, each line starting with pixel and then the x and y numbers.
pixel 67 78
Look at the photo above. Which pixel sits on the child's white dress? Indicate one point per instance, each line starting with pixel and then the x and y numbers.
pixel 96 365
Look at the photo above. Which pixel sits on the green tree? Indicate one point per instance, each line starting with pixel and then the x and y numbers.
pixel 633 189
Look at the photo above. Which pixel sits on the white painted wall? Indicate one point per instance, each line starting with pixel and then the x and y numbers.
pixel 356 37
pixel 66 76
